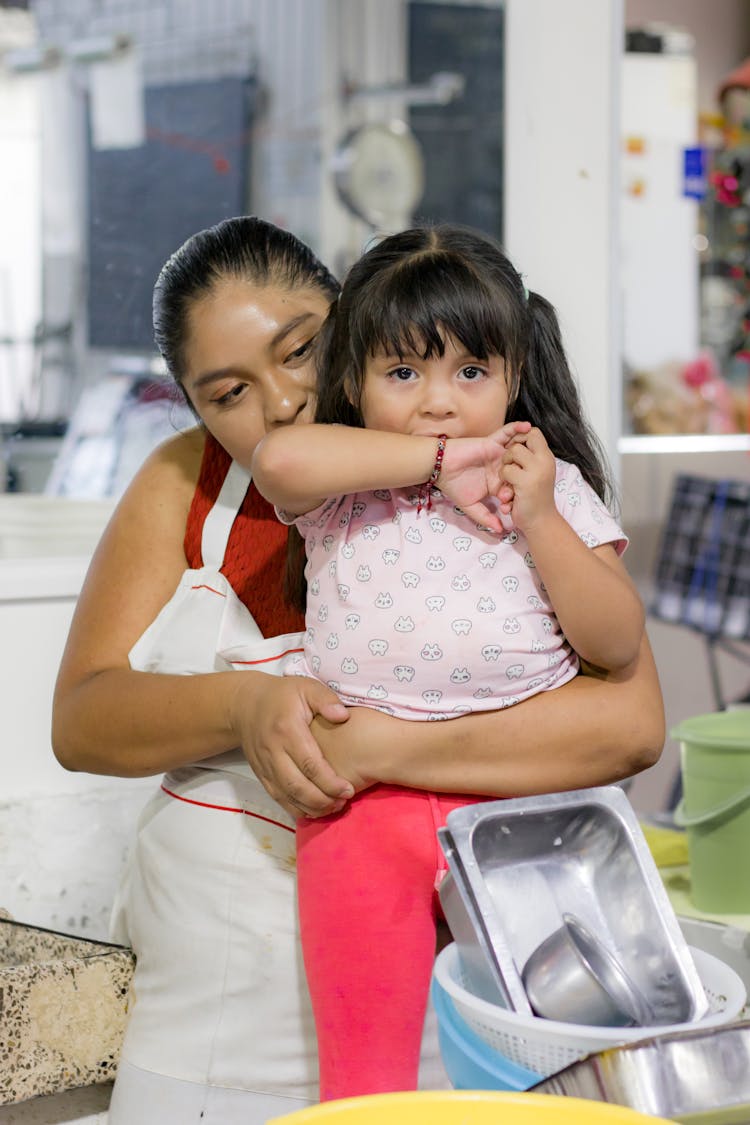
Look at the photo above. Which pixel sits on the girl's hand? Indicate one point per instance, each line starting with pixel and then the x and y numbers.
pixel 271 716
pixel 528 492
pixel 473 471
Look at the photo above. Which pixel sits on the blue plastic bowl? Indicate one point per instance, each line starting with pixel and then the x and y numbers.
pixel 470 1063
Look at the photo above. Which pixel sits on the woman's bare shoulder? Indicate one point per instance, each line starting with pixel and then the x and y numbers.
pixel 151 515
pixel 166 481
pixel 179 456
pixel 140 557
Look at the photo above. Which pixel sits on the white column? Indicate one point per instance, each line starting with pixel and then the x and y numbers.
pixel 562 192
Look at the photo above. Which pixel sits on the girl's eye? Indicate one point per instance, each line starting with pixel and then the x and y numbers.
pixel 301 352
pixel 472 373
pixel 401 374
pixel 230 396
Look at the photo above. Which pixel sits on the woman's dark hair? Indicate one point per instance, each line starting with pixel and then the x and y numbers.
pixel 244 248
pixel 414 289
pixel 247 249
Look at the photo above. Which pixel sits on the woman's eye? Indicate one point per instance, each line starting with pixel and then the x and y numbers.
pixel 230 396
pixel 300 352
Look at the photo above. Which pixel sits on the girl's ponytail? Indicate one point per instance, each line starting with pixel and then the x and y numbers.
pixel 547 396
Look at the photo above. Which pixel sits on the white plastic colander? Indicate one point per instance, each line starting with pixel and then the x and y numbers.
pixel 546 1046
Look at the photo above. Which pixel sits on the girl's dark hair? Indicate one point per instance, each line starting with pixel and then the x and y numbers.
pixel 415 288
pixel 244 248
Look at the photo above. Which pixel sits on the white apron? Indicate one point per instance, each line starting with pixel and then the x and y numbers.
pixel 221 1029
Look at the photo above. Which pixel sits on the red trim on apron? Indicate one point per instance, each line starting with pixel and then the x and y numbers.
pixel 225 808
pixel 266 659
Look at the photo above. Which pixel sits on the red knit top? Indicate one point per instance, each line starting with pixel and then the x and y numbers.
pixel 256 553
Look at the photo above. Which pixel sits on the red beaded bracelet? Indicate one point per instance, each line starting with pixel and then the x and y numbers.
pixel 434 475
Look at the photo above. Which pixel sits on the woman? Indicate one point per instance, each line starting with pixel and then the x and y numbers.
pixel 221 1028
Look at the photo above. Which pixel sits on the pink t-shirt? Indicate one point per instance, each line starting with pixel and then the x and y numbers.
pixel 424 616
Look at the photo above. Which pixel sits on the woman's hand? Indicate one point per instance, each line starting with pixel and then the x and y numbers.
pixel 271 716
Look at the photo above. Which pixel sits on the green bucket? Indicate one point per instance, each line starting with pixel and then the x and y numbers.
pixel 715 808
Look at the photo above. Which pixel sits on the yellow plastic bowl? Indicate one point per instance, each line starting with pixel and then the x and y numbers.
pixel 465 1107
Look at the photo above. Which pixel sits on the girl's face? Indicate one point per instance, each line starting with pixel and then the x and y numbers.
pixel 248 367
pixel 454 394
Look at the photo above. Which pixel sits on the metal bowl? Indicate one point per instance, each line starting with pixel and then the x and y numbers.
pixel 572 977
pixel 701 1075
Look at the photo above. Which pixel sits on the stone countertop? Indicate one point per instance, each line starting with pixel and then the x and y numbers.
pixel 64 1011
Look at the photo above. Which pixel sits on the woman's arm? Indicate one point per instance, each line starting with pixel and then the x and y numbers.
pixel 110 719
pixel 591 731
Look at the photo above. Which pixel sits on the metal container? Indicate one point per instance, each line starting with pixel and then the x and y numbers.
pixel 524 862
pixel 698 1076
pixel 469 932
pixel 572 977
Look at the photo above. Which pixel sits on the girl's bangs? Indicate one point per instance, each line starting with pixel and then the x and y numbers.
pixel 414 309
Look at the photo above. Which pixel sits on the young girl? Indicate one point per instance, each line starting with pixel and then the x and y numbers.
pixel 459 558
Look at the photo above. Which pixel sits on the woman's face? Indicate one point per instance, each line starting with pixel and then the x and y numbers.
pixel 248 366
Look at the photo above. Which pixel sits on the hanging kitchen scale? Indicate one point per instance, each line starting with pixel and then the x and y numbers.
pixel 378 170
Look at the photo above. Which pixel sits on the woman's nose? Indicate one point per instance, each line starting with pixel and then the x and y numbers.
pixel 285 398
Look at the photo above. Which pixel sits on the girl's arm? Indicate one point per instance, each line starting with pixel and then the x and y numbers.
pixel 298 467
pixel 110 719
pixel 595 601
pixel 591 731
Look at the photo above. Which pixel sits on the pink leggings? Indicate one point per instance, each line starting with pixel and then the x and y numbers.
pixel 368 908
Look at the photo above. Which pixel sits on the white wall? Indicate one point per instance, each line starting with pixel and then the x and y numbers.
pixel 659 262
pixel 63 836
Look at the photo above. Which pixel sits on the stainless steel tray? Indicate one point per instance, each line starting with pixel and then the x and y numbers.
pixel 525 861
pixel 469 932
pixel 701 1077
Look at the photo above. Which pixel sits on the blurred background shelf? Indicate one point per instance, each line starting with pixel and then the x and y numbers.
pixel 684 443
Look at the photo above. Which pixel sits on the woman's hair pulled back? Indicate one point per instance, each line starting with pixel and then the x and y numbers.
pixel 244 248
pixel 414 289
